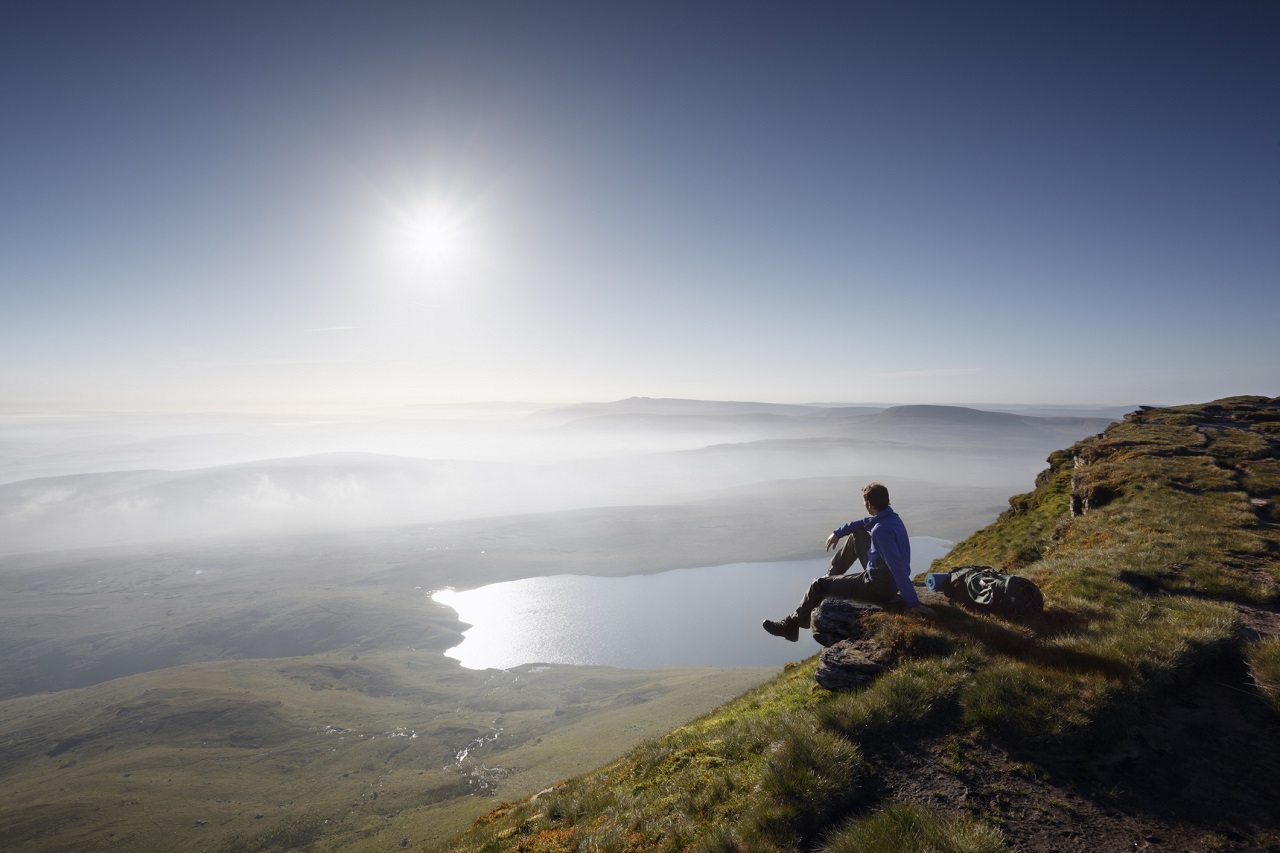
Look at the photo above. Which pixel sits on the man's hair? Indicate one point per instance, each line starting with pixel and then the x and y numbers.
pixel 876 495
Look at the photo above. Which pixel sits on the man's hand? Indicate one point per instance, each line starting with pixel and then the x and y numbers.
pixel 924 611
pixel 831 541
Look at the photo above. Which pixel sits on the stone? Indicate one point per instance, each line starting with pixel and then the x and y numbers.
pixel 837 619
pixel 849 664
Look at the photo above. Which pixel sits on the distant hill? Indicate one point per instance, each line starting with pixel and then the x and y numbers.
pixel 736 421
pixel 632 452
pixel 764 421
pixel 1139 712
pixel 963 425
pixel 954 416
pixel 665 407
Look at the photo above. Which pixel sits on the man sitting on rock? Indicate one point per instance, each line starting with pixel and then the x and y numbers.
pixel 880 543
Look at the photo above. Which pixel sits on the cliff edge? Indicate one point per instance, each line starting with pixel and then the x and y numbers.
pixel 1138 712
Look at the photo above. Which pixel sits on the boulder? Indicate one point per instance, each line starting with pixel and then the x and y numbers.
pixel 849 664
pixel 837 619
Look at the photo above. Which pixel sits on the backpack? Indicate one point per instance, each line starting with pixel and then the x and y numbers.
pixel 992 589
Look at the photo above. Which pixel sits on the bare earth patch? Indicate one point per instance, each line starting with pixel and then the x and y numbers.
pixel 1259 621
pixel 1192 774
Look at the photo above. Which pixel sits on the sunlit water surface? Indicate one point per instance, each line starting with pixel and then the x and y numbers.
pixel 699 617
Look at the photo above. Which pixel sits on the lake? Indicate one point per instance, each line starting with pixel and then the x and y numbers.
pixel 706 616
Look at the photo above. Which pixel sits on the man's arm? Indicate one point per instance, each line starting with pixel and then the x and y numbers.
pixel 843 531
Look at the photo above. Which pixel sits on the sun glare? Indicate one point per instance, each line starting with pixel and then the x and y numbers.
pixel 440 238
pixel 435 241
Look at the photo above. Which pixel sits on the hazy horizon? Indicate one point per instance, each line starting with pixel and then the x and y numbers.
pixel 109 479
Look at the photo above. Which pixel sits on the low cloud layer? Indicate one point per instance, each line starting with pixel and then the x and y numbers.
pixel 487 464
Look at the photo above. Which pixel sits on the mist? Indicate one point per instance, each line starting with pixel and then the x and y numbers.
pixel 100 479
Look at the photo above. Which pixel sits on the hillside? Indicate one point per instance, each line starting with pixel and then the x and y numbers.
pixel 1140 712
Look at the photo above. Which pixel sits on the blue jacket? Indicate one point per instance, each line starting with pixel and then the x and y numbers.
pixel 890 550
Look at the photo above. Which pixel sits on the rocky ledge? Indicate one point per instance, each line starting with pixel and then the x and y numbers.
pixel 850 659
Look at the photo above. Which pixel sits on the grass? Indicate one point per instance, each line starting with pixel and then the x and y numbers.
pixel 900 827
pixel 1264 667
pixel 1143 540
pixel 686 789
pixel 902 701
pixel 345 756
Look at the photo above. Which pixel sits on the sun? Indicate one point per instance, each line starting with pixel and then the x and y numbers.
pixel 435 241
pixel 438 241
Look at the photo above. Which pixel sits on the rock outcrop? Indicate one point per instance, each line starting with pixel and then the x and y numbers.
pixel 849 664
pixel 849 659
pixel 837 619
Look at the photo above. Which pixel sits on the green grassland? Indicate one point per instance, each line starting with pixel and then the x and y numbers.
pixel 331 753
pixel 291 693
pixel 1141 705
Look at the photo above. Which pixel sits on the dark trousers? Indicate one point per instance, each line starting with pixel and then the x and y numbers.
pixel 855 547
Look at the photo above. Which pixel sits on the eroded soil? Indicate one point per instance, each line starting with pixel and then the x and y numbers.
pixel 1196 772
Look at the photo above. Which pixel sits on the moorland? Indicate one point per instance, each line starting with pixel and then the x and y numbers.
pixel 1139 711
pixel 246 656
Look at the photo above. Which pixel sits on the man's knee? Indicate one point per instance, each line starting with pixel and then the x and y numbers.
pixel 854 549
pixel 816 592
pixel 862 546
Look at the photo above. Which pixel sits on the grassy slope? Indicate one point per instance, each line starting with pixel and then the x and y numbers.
pixel 1152 543
pixel 327 753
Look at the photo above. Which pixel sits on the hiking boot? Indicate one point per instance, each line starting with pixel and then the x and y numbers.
pixel 787 629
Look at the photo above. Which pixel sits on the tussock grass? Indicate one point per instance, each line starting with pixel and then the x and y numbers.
pixel 1019 703
pixel 811 776
pixel 1144 541
pixel 905 829
pixel 901 701
pixel 1264 667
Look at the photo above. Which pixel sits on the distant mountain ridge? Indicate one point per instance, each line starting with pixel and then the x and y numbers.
pixel 736 421
pixel 671 406
pixel 679 406
pixel 646 450
pixel 956 415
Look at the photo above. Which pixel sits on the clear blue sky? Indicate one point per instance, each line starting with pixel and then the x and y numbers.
pixel 240 204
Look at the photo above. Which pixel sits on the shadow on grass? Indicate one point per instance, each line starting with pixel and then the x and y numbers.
pixel 1024 640
pixel 1200 749
pixel 1195 757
